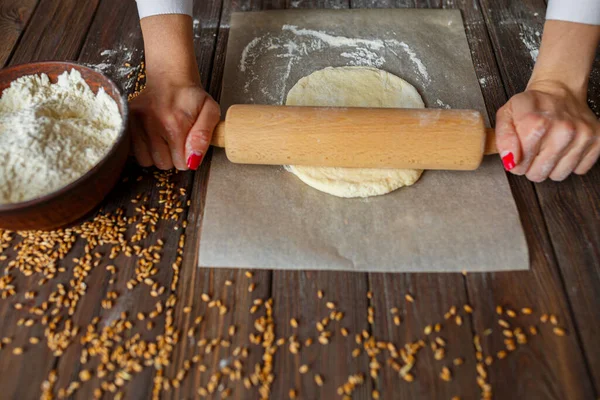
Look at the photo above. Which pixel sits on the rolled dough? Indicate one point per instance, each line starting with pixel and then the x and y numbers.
pixel 354 87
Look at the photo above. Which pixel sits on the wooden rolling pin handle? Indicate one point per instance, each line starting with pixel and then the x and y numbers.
pixel 490 142
pixel 218 137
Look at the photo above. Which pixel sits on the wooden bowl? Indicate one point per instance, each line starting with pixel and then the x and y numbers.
pixel 70 203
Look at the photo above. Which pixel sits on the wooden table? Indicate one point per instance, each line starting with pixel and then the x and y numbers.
pixel 561 222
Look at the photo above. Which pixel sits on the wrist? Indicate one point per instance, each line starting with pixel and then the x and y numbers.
pixel 169 50
pixel 160 73
pixel 558 86
pixel 565 58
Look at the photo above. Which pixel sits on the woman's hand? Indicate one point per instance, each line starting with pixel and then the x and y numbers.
pixel 172 120
pixel 172 124
pixel 547 132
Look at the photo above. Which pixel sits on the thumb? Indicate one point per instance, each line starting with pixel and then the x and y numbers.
pixel 198 138
pixel 507 140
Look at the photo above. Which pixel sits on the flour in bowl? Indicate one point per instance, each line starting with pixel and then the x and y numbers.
pixel 51 134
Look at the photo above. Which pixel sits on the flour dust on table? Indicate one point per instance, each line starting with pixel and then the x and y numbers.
pixel 354 87
pixel 295 44
pixel 51 134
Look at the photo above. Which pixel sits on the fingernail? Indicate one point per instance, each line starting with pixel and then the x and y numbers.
pixel 194 160
pixel 509 161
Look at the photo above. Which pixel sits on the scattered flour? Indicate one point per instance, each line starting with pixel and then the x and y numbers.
pixel 364 57
pixel 52 134
pixel 416 60
pixel 247 51
pixel 108 53
pixel 483 82
pixel 114 64
pixel 531 39
pixel 441 104
pixel 334 41
pixel 299 42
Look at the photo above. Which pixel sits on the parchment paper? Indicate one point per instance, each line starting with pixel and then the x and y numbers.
pixel 265 217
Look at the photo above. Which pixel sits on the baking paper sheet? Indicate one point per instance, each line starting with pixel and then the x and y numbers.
pixel 265 217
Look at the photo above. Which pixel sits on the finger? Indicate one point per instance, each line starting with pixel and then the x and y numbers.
pixel 507 141
pixel 175 138
pixel 590 158
pixel 199 137
pixel 574 153
pixel 140 146
pixel 159 149
pixel 552 148
pixel 531 129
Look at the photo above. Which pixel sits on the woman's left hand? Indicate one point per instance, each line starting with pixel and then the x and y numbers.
pixel 547 132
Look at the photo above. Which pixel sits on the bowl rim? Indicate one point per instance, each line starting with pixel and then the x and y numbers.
pixel 69 65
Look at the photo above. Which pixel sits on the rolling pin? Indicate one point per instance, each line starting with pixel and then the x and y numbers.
pixel 355 137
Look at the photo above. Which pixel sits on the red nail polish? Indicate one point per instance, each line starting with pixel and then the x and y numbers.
pixel 194 160
pixel 509 161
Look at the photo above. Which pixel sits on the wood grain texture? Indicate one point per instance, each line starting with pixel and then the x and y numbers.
pixel 48 36
pixel 434 295
pixel 547 367
pixel 570 208
pixel 212 19
pixel 480 286
pixel 382 3
pixel 512 28
pixel 296 297
pixel 14 16
pixel 56 31
pixel 108 50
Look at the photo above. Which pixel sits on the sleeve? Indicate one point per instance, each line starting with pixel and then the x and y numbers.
pixel 582 11
pixel 147 8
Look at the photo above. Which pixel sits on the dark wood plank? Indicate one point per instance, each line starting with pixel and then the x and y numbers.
pixel 237 297
pixel 449 291
pixel 191 284
pixel 56 31
pixel 109 50
pixel 548 366
pixel 572 214
pixel 570 208
pixel 222 36
pixel 50 19
pixel 335 4
pixel 563 371
pixel 14 16
pixel 382 3
pixel 434 295
pixel 296 297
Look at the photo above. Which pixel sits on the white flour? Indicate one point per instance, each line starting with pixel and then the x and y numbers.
pixel 531 39
pixel 52 134
pixel 334 41
pixel 119 65
pixel 441 104
pixel 362 57
pixel 416 60
pixel 294 43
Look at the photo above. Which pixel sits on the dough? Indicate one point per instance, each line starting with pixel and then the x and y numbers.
pixel 354 87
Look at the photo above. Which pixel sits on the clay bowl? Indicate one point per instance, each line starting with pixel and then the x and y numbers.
pixel 70 203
